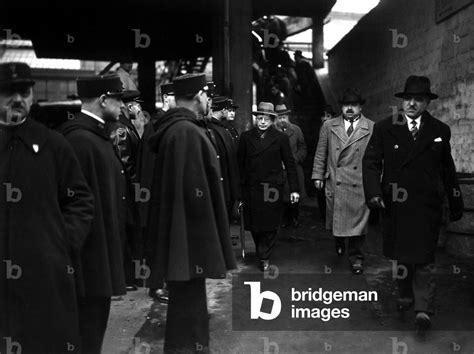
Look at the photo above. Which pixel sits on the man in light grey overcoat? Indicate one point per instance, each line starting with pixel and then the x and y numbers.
pixel 338 164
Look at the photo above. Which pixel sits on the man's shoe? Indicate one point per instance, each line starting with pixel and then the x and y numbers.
pixel 131 288
pixel 422 321
pixel 161 295
pixel 404 304
pixel 340 249
pixel 357 267
pixel 264 265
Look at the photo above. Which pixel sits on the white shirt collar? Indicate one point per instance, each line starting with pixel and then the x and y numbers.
pixel 92 115
pixel 417 120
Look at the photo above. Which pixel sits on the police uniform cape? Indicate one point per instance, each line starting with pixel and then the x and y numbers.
pixel 100 270
pixel 188 229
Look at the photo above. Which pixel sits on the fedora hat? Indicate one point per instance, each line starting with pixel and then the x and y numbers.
pixel 417 85
pixel 265 108
pixel 281 109
pixel 351 95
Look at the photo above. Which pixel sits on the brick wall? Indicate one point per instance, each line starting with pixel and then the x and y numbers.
pixel 368 58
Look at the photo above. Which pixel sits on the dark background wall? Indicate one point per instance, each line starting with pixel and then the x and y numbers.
pixel 371 59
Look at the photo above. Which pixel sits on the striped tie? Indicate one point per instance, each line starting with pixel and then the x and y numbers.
pixel 350 129
pixel 414 129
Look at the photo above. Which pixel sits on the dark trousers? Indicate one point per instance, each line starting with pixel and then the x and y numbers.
pixel 291 212
pixel 93 317
pixel 187 321
pixel 132 253
pixel 264 243
pixel 417 283
pixel 354 247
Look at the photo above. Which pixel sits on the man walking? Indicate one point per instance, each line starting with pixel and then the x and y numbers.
pixel 408 170
pixel 338 164
pixel 298 149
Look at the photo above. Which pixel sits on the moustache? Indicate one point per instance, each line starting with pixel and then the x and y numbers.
pixel 349 111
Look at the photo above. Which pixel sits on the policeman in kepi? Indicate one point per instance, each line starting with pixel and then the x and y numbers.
pixel 46 209
pixel 124 136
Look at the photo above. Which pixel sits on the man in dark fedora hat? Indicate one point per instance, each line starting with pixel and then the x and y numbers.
pixel 337 167
pixel 290 213
pixel 100 271
pixel 188 226
pixel 264 154
pixel 46 209
pixel 408 171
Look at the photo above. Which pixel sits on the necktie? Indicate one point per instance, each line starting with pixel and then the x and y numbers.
pixel 414 129
pixel 351 128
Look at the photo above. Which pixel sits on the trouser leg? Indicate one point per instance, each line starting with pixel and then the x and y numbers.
pixel 424 287
pixel 93 317
pixel 405 280
pixel 264 243
pixel 355 244
pixel 187 320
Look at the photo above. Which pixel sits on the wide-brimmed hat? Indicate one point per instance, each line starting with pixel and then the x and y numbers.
pixel 281 109
pixel 265 108
pixel 351 95
pixel 417 85
pixel 14 73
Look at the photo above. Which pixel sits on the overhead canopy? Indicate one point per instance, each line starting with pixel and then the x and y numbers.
pixel 132 30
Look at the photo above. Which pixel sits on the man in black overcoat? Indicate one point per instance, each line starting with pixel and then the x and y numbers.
pixel 145 170
pixel 188 221
pixel 101 273
pixel 46 209
pixel 407 171
pixel 124 136
pixel 227 153
pixel 264 154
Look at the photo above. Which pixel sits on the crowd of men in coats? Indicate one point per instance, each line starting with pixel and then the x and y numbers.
pixel 83 206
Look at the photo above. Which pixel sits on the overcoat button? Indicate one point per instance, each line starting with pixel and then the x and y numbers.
pixel 395 147
pixel 338 183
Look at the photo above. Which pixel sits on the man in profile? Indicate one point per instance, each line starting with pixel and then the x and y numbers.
pixel 189 228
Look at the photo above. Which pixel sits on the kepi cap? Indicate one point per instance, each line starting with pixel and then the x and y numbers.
pixel 13 73
pixel 190 84
pixel 167 89
pixel 94 86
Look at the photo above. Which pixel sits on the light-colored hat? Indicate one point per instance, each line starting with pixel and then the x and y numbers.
pixel 265 108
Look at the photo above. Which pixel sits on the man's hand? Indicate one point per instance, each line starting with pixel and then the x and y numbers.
pixel 294 197
pixel 455 216
pixel 376 203
pixel 319 184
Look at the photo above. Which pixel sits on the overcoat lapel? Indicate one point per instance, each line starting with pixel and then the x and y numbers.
pixel 259 145
pixel 338 129
pixel 426 136
pixel 400 131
